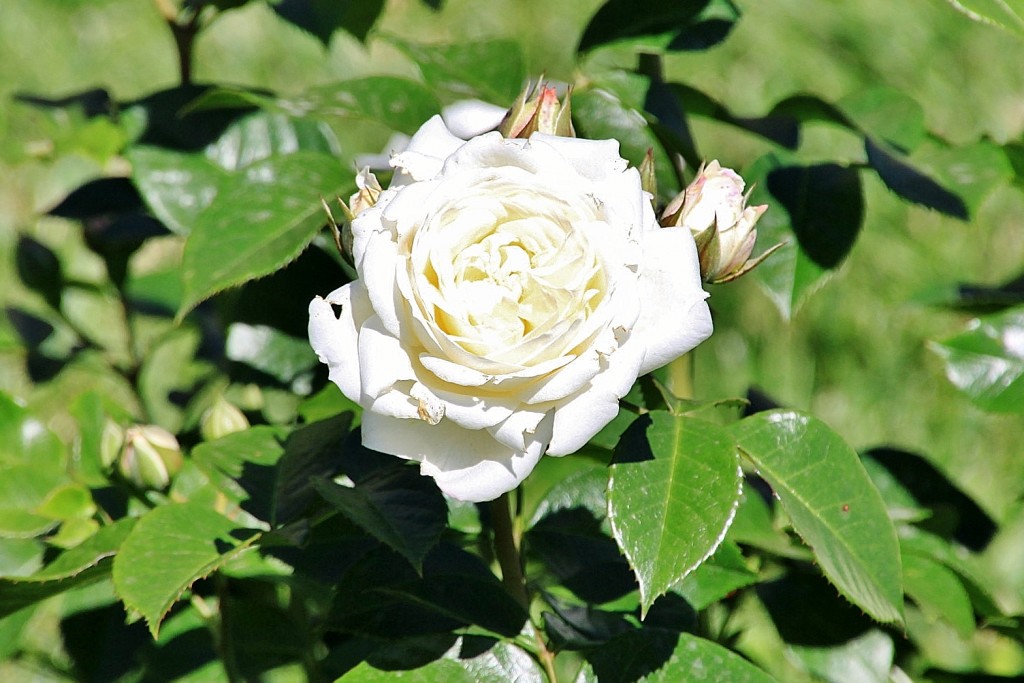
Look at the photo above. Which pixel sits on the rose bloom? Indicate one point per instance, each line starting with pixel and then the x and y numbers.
pixel 510 292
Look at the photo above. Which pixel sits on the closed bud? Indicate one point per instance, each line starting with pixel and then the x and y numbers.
pixel 221 419
pixel 150 457
pixel 714 209
pixel 111 441
pixel 538 110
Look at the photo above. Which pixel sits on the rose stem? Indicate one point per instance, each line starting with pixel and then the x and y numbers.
pixel 512 572
pixel 507 552
pixel 680 376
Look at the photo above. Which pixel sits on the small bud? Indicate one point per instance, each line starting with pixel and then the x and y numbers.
pixel 221 419
pixel 648 179
pixel 111 441
pixel 150 457
pixel 714 209
pixel 540 113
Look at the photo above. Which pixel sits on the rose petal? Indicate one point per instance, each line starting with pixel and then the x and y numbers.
pixel 466 464
pixel 335 339
pixel 382 360
pixel 424 156
pixel 468 118
pixel 580 418
pixel 674 317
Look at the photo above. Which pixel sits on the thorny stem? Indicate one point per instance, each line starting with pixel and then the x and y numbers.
pixel 506 549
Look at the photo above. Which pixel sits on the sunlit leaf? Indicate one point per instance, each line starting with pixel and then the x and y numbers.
pixel 720 575
pixel 263 217
pixel 619 19
pixel 169 549
pixel 671 497
pixel 833 505
pixel 491 70
pixel 938 592
pixel 986 362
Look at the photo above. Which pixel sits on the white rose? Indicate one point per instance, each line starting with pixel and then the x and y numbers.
pixel 510 292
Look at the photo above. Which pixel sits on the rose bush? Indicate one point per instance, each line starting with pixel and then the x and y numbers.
pixel 510 292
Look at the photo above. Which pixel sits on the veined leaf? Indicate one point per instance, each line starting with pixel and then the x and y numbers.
pixel 672 494
pixel 833 505
pixel 1006 14
pixel 492 70
pixel 170 548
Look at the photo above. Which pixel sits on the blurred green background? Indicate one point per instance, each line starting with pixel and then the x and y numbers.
pixel 855 355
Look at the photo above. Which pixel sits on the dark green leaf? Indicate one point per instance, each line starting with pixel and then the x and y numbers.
pixel 573 548
pixel 472 659
pixel 169 549
pixel 978 299
pixel 825 206
pixel 398 506
pixel 312 452
pixel 673 491
pixel 632 655
pixel 263 217
pixel 40 270
pixel 576 628
pixel 322 17
pixel 620 19
pixel 971 172
pixel 709 28
pixel 492 70
pixel 833 506
pixel 986 362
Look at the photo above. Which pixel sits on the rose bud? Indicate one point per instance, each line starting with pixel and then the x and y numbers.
pixel 221 419
pixel 714 209
pixel 540 113
pixel 151 456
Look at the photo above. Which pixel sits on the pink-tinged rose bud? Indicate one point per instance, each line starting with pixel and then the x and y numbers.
pixel 538 113
pixel 150 457
pixel 714 208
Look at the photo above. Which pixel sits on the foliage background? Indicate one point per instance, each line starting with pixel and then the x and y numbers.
pixel 856 354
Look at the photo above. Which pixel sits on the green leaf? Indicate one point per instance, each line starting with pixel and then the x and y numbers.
pixel 902 178
pixel 887 114
pixel 938 592
pixel 264 216
pixel 473 659
pixel 986 362
pixel 672 494
pixel 265 135
pixel 833 505
pixel 170 368
pixel 170 548
pixel 311 453
pixel 602 115
pixel 492 70
pixel 269 350
pixel 789 276
pixel 397 506
pixel 866 658
pixel 696 659
pixel 82 565
pixel 176 187
pixel 722 573
pixel 398 103
pixel 1006 14
pixel 26 440
pixel 971 172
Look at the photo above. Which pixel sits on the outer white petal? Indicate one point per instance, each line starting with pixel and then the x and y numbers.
pixel 466 464
pixel 593 159
pixel 674 317
pixel 423 157
pixel 469 118
pixel 382 360
pixel 583 416
pixel 335 338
